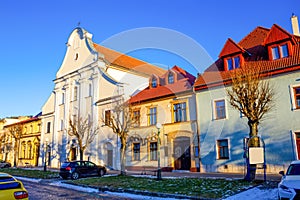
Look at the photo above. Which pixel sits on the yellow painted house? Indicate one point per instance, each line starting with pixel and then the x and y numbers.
pixel 24 139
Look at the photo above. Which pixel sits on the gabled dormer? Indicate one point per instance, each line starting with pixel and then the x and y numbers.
pixel 279 43
pixel 232 55
pixel 154 81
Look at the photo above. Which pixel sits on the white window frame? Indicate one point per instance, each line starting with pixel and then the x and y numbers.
pixel 292 96
pixel 214 113
pixel 217 149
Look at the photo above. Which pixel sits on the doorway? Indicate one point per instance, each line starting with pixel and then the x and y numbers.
pixel 298 144
pixel 109 160
pixel 182 153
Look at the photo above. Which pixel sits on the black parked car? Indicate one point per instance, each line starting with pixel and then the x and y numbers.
pixel 77 169
pixel 4 164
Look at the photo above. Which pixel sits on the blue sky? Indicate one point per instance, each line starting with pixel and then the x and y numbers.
pixel 34 33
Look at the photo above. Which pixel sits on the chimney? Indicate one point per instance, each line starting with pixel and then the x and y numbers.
pixel 295 25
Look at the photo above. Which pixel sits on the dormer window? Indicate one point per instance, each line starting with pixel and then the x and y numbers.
pixel 233 63
pixel 280 51
pixel 170 78
pixel 154 82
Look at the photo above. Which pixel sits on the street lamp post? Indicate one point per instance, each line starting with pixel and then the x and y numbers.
pixel 45 155
pixel 158 126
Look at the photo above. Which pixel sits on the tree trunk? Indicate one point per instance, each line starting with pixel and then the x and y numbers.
pixel 81 154
pixel 253 142
pixel 16 152
pixel 123 157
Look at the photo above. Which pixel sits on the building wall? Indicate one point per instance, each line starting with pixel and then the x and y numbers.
pixel 170 131
pixel 95 79
pixel 277 129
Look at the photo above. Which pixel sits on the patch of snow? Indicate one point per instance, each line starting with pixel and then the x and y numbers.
pixel 255 194
pixel 136 196
pixel 35 180
pixel 74 187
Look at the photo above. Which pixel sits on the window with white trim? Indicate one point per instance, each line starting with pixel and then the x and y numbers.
pixel 219 109
pixel 222 148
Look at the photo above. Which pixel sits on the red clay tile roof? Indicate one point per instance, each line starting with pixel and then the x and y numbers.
pixel 184 83
pixel 230 47
pixel 215 75
pixel 128 62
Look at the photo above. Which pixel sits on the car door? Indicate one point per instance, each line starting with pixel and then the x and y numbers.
pixel 81 168
pixel 91 168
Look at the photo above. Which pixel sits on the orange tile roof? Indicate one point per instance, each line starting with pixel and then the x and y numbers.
pixel 128 62
pixel 230 47
pixel 215 75
pixel 184 83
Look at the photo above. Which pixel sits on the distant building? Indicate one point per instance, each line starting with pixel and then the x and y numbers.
pixel 21 138
pixel 168 100
pixel 223 129
pixel 88 80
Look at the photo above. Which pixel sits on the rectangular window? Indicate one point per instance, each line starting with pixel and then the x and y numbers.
pixel 75 93
pixel 62 98
pixel 220 110
pixel 136 151
pixel 297 97
pixel 153 151
pixel 236 62
pixel 152 116
pixel 107 117
pixel 179 112
pixel 275 53
pixel 48 127
pixel 233 63
pixel 136 118
pixel 223 152
pixel 229 64
pixel 61 124
pixel 90 89
pixel 284 51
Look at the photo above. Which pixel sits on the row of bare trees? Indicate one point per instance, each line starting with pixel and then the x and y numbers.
pixel 119 121
pixel 249 94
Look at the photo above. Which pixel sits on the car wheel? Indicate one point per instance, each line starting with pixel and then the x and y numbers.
pixel 101 172
pixel 75 176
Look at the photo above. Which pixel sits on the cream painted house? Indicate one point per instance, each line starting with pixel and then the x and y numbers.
pixel 89 78
pixel 168 100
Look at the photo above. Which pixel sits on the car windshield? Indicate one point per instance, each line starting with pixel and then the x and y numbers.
pixel 293 169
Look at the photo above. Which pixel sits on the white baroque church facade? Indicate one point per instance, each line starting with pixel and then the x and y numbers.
pixel 89 77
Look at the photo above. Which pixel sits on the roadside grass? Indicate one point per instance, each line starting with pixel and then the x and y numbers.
pixel 30 173
pixel 196 187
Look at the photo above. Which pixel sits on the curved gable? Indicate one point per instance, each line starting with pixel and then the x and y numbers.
pixel 80 52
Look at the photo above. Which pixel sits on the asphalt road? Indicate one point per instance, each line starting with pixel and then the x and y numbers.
pixel 42 190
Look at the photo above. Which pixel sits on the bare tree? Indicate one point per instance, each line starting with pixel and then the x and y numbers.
pixel 84 131
pixel 253 96
pixel 120 120
pixel 16 132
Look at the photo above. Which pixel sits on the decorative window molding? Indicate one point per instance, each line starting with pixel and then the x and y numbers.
pixel 153 151
pixel 152 115
pixel 136 149
pixel 179 112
